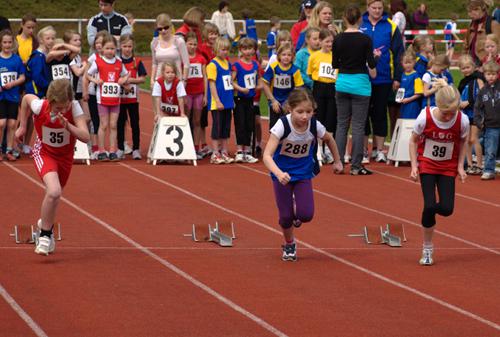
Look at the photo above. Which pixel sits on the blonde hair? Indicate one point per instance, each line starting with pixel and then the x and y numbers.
pixel 369 2
pixel 466 60
pixel 314 20
pixel 448 98
pixel 246 42
pixel 491 67
pixel 493 38
pixel 221 43
pixel 60 91
pixel 282 36
pixel 283 48
pixel 210 28
pixel 168 64
pixel 440 60
pixel 409 55
pixel 45 30
pixel 419 42
pixel 163 20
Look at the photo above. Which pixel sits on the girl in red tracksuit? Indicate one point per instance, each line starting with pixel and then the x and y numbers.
pixel 112 75
pixel 437 152
pixel 169 93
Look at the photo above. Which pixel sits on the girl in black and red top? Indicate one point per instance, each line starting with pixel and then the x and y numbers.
pixel 437 152
pixel 129 100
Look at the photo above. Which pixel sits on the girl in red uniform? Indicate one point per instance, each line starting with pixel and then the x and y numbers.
pixel 168 93
pixel 437 152
pixel 112 75
pixel 59 121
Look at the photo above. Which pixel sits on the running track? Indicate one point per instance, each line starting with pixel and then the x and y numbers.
pixel 124 267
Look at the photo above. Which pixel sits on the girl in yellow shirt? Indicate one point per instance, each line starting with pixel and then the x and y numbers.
pixel 25 41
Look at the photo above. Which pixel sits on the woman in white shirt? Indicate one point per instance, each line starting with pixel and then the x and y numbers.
pixel 224 20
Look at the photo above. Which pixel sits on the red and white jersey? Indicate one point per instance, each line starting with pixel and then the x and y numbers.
pixel 169 103
pixel 52 138
pixel 439 144
pixel 110 71
pixel 195 84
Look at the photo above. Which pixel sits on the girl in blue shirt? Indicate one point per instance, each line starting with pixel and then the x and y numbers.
pixel 289 155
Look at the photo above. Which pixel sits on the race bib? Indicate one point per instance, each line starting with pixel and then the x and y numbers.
pixel 282 82
pixel 295 149
pixel 7 77
pixel 110 89
pixel 400 95
pixel 326 70
pixel 228 82
pixel 195 70
pixel 250 80
pixel 55 137
pixel 170 109
pixel 132 92
pixel 438 151
pixel 61 72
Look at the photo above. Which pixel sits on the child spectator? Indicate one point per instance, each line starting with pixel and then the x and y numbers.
pixel 131 21
pixel 450 38
pixel 59 59
pixel 437 67
pixel 411 90
pixel 168 93
pixel 59 122
pixel 491 47
pixel 111 75
pixel 11 79
pixel 487 117
pixel 249 29
pixel 468 89
pixel 220 101
pixel 129 100
pixel 302 57
pixel 245 75
pixel 89 93
pixel 26 42
pixel 423 47
pixel 280 79
pixel 275 23
pixel 196 85
pixel 289 155
pixel 282 37
pixel 437 152
pixel 77 66
pixel 324 76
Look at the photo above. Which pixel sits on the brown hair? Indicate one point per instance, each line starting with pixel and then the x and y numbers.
pixel 274 20
pixel 69 34
pixel 297 96
pixel 246 42
pixel 108 38
pixel 491 67
pixel 210 28
pixel 194 17
pixel 482 4
pixel 369 2
pixel 284 47
pixel 191 36
pixel 409 55
pixel 419 41
pixel 440 60
pixel 101 35
pixel 7 32
pixel 60 91
pixel 324 33
pixel 168 64
pixel 352 14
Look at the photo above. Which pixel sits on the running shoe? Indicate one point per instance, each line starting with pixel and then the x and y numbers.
pixel 426 259
pixel 102 156
pixel 380 158
pixel 136 155
pixel 248 158
pixel 327 158
pixel 366 158
pixel 52 246
pixel 216 159
pixel 113 157
pixel 43 246
pixel 347 159
pixel 363 171
pixel 289 252
pixel 9 156
pixel 120 154
pixel 227 159
pixel 239 158
pixel 127 148
pixel 26 149
pixel 374 153
pixel 488 176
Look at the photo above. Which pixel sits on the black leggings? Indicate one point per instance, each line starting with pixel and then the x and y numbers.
pixel 94 113
pixel 377 112
pixel 326 112
pixel 446 191
pixel 133 112
pixel 244 120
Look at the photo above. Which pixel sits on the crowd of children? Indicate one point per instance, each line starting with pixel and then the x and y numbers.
pixel 194 77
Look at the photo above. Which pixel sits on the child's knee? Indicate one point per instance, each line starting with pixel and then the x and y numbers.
pixel 54 193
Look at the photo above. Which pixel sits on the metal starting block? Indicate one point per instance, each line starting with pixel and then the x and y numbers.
pixel 223 233
pixel 29 233
pixel 393 235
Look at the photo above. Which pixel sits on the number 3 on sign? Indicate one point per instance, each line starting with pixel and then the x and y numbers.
pixel 177 140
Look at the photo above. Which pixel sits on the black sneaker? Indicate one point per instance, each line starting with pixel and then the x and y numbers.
pixel 103 156
pixel 289 252
pixel 113 157
pixel 363 171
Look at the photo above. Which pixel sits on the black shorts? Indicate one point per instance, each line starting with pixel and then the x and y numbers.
pixel 78 96
pixel 204 117
pixel 8 109
pixel 221 124
pixel 256 110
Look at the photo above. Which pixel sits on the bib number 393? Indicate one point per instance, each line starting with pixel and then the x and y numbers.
pixel 438 151
pixel 110 89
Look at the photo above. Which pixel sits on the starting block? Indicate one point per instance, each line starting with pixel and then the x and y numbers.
pixel 223 233
pixel 29 233
pixel 393 235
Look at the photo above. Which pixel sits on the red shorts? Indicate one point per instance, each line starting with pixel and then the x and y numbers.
pixel 45 163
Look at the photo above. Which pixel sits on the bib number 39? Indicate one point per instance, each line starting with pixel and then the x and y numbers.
pixel 438 151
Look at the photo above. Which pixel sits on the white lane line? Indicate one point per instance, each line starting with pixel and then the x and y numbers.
pixel 259 321
pixel 321 251
pixel 20 311
pixel 486 202
pixel 355 204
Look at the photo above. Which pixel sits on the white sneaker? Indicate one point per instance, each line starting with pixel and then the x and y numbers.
pixel 426 259
pixel 374 153
pixel 347 159
pixel 136 155
pixel 94 155
pixel 366 158
pixel 327 158
pixel 250 159
pixel 120 154
pixel 227 159
pixel 52 246
pixel 43 245
pixel 26 149
pixel 381 158
pixel 239 158
pixel 128 149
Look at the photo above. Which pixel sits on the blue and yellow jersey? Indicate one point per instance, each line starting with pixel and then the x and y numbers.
pixel 412 85
pixel 282 80
pixel 247 75
pixel 219 71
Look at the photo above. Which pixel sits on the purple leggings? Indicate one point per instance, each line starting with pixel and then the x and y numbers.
pixel 304 201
